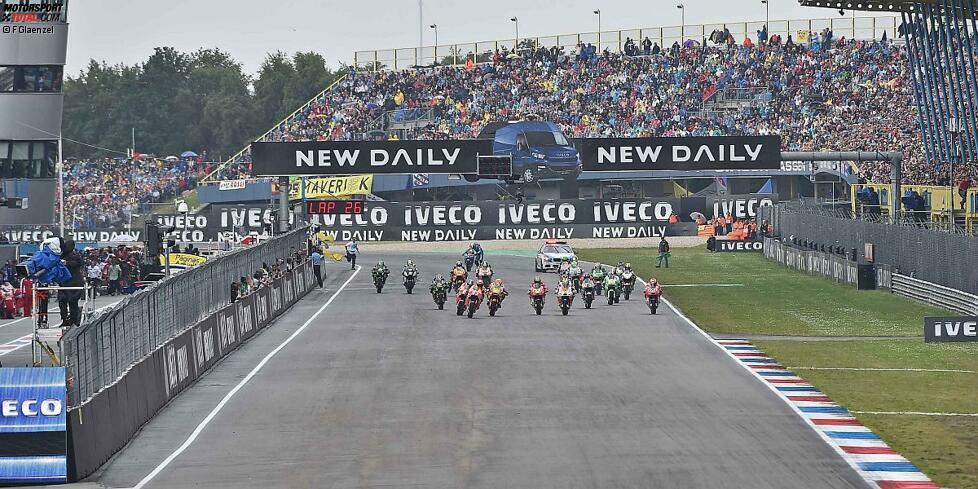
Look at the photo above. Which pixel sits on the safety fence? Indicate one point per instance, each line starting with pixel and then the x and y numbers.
pixel 934 256
pixel 614 41
pixel 100 351
pixel 934 294
pixel 107 421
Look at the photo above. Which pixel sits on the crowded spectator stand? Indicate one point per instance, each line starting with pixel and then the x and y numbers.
pixel 823 93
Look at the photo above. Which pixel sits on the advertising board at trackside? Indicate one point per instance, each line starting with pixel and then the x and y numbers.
pixel 951 329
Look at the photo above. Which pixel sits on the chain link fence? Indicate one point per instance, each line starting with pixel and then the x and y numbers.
pixel 909 247
pixel 101 350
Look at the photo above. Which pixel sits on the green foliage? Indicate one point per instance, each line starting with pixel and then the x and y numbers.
pixel 178 101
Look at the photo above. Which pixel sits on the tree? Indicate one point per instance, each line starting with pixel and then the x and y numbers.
pixel 177 101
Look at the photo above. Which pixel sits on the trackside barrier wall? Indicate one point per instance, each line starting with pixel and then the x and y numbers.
pixel 101 350
pixel 828 265
pixel 926 254
pixel 936 295
pixel 107 421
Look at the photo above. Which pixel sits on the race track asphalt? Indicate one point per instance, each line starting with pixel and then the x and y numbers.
pixel 384 390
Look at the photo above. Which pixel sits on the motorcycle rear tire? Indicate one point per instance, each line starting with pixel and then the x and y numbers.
pixel 441 306
pixel 409 288
pixel 611 301
pixel 471 312
pixel 539 310
pixel 460 310
pixel 587 304
pixel 564 310
pixel 653 308
pixel 617 300
pixel 627 293
pixel 379 288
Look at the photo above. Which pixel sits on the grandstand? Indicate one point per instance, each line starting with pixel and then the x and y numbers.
pixel 820 84
pixel 827 92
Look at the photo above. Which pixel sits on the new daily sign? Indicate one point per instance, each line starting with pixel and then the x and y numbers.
pixel 368 157
pixel 690 153
pixel 460 156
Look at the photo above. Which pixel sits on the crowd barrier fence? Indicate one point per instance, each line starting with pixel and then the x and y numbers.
pixel 100 351
pixel 106 422
pixel 933 256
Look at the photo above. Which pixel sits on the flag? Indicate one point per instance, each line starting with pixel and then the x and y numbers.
pixel 419 180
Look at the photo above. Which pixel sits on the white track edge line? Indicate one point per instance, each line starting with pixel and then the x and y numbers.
pixel 913 413
pixel 867 369
pixel 227 397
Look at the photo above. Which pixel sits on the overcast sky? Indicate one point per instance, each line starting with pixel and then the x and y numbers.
pixel 127 30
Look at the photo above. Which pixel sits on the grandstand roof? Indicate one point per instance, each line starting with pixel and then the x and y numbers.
pixel 874 5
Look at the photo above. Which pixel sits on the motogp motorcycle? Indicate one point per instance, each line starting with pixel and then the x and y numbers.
pixel 587 292
pixel 652 295
pixel 627 283
pixel 495 299
pixel 439 294
pixel 538 294
pixel 473 301
pixel 379 280
pixel 458 278
pixel 565 297
pixel 410 278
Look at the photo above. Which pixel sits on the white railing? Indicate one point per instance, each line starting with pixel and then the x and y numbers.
pixel 614 41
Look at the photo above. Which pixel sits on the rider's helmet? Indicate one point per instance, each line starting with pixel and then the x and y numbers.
pixel 628 266
pixel 439 277
pixel 536 279
pixel 410 263
pixel 498 282
pixel 380 264
pixel 458 263
pixel 653 282
pixel 479 282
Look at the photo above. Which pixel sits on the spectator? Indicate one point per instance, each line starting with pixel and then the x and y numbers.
pixel 115 275
pixel 963 186
pixel 825 94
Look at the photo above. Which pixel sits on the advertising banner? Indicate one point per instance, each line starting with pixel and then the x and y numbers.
pixel 435 221
pixel 183 260
pixel 950 329
pixel 724 245
pixel 232 184
pixel 33 440
pixel 684 154
pixel 368 157
pixel 331 187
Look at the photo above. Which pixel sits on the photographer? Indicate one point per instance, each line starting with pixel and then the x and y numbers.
pixel 68 299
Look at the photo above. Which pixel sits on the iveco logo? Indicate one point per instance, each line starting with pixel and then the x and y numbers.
pixel 11 408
